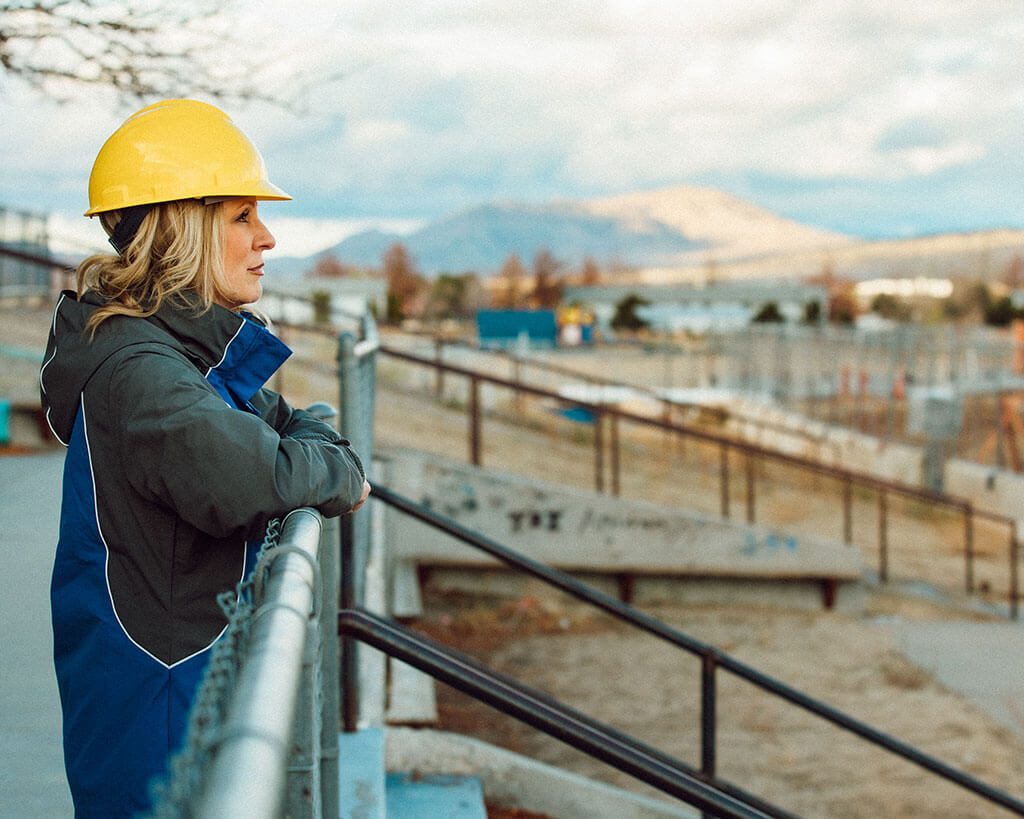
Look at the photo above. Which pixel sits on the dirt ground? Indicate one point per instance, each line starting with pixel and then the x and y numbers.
pixel 796 760
pixel 641 687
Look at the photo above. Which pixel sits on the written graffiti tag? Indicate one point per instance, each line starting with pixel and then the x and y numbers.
pixel 546 520
pixel 769 543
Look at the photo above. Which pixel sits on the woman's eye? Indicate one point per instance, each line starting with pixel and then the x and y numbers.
pixel 243 216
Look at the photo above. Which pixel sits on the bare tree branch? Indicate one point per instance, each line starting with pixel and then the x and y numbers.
pixel 141 50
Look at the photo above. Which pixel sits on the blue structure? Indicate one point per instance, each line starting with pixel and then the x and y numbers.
pixel 504 328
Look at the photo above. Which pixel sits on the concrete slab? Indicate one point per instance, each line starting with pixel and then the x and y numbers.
pixel 982 661
pixel 413 796
pixel 32 782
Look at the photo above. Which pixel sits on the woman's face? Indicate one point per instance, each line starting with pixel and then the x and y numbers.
pixel 245 239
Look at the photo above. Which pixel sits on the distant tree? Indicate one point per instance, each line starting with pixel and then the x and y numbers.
pixel 321 301
pixel 453 296
pixel 812 312
pixel 590 273
pixel 1013 275
pixel 328 267
pixel 547 284
pixel 769 314
pixel 508 293
pixel 890 307
pixel 1000 312
pixel 404 282
pixel 141 51
pixel 842 307
pixel 625 317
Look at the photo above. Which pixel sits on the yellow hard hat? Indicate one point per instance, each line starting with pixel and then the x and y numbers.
pixel 177 149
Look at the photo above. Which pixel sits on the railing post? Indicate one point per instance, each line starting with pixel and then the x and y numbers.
pixel 613 420
pixel 599 450
pixel 1014 569
pixel 438 369
pixel 847 511
pixel 330 667
pixel 349 570
pixel 474 420
pixel 969 548
pixel 723 451
pixel 708 714
pixel 303 794
pixel 883 535
pixel 750 488
pixel 349 665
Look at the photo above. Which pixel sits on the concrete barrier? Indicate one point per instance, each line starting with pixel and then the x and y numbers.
pixel 644 549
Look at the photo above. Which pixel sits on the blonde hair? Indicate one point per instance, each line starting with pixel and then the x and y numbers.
pixel 177 251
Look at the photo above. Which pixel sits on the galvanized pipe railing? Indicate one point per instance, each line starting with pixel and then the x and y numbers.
pixel 712 659
pixel 751 452
pixel 542 712
pixel 248 776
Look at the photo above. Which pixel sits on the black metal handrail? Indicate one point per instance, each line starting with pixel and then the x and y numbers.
pixel 546 714
pixel 711 658
pixel 847 478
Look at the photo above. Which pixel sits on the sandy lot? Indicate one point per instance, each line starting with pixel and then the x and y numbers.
pixel 637 685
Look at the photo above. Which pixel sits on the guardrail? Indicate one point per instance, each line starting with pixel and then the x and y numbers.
pixel 262 738
pixel 607 450
pixel 712 660
pixel 540 711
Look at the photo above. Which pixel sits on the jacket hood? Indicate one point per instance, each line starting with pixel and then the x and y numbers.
pixel 73 354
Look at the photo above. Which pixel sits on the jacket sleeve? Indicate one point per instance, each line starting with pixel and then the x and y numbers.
pixel 296 423
pixel 222 470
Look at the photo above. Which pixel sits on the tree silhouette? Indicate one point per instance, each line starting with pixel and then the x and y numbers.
pixel 404 283
pixel 547 285
pixel 141 51
pixel 508 293
pixel 625 317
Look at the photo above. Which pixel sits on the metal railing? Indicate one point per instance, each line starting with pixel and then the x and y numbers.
pixel 261 740
pixel 607 459
pixel 712 660
pixel 539 711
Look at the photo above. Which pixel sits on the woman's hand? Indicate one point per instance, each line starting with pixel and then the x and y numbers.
pixel 366 494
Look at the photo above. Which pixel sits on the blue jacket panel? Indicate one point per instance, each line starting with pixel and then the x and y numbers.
pixel 177 459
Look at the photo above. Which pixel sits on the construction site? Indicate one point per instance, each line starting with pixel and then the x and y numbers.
pixel 837 511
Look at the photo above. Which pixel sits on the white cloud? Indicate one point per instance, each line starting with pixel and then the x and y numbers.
pixel 428 106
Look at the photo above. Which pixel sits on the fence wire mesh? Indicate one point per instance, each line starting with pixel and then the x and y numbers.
pixel 176 795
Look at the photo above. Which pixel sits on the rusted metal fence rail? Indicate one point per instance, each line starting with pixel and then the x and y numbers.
pixel 751 459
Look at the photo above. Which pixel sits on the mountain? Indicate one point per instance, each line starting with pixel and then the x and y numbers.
pixel 680 234
pixel 648 229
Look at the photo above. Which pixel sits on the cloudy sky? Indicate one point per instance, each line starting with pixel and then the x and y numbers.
pixel 863 116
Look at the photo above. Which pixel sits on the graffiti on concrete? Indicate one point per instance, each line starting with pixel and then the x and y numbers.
pixel 770 542
pixel 547 520
pixel 605 522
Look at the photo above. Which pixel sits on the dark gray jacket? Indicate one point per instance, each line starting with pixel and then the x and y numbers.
pixel 177 456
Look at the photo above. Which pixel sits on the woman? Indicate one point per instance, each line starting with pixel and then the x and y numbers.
pixel 177 456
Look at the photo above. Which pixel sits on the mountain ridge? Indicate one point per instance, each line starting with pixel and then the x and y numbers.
pixel 674 233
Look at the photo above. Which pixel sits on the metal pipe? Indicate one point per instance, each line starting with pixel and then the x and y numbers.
pixel 474 421
pixel 724 478
pixel 1014 569
pixel 247 776
pixel 650 625
pixel 543 713
pixel 968 549
pixel 749 465
pixel 330 667
pixel 708 714
pixel 614 446
pixel 847 510
pixel 883 536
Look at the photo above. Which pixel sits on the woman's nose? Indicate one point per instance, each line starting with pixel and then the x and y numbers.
pixel 264 239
